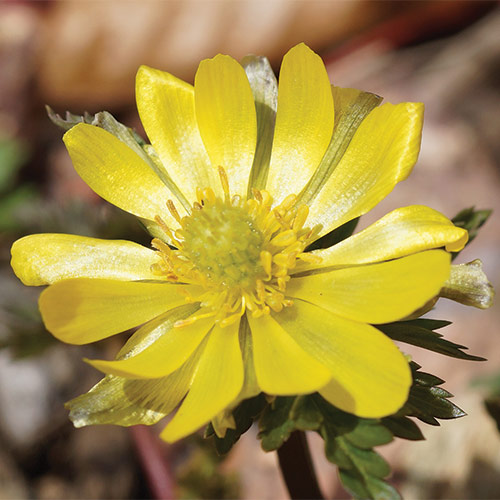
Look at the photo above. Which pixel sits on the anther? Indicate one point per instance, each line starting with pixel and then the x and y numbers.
pixel 173 211
pixel 224 182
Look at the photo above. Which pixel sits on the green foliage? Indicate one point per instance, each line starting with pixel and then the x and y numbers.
pixel 420 332
pixel 244 416
pixel 427 401
pixel 348 441
pixel 472 220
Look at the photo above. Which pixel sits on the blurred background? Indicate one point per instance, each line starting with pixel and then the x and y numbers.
pixel 82 56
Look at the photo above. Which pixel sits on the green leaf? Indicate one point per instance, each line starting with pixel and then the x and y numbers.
pixel 419 332
pixel 244 416
pixel 403 427
pixel 275 424
pixel 426 401
pixel 472 220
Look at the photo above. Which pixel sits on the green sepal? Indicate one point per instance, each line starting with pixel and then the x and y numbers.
pixel 244 416
pixel 427 401
pixel 420 333
pixel 472 220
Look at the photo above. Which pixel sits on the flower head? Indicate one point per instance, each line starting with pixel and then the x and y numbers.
pixel 241 177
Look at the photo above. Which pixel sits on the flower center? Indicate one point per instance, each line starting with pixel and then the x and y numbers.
pixel 238 252
pixel 224 244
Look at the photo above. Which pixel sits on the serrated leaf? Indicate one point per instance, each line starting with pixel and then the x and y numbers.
pixel 70 119
pixel 419 332
pixel 426 401
pixel 403 427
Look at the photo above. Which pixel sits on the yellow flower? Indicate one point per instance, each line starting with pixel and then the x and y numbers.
pixel 238 180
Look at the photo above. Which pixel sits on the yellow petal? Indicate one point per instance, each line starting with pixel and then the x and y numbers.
pixel 376 293
pixel 116 173
pixel 304 122
pixel 282 367
pixel 265 92
pixel 401 232
pixel 351 108
pixel 250 385
pixel 217 381
pixel 82 310
pixel 371 378
pixel 42 259
pixel 166 108
pixel 225 111
pixel 170 349
pixel 381 154
pixel 121 401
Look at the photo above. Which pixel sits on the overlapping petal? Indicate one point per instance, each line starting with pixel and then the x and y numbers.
pixel 402 232
pixel 381 154
pixel 216 383
pixel 282 367
pixel 376 293
pixel 304 122
pixel 116 173
pixel 42 259
pixel 225 111
pixel 371 378
pixel 172 347
pixel 82 310
pixel 166 108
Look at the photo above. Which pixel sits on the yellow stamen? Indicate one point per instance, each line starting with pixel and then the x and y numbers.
pixel 238 252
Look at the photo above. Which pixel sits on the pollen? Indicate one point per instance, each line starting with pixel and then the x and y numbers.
pixel 238 252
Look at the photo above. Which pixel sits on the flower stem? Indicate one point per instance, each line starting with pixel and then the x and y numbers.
pixel 297 468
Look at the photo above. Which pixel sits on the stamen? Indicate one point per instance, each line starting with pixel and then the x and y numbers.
pixel 238 252
pixel 224 182
pixel 173 211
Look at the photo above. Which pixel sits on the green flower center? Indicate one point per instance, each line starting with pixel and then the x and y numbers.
pixel 224 244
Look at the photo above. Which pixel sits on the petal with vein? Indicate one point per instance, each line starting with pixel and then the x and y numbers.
pixel 376 293
pixel 382 153
pixel 42 259
pixel 172 347
pixel 83 310
pixel 265 92
pixel 121 401
pixel 166 108
pixel 225 111
pixel 371 378
pixel 282 367
pixel 304 122
pixel 351 108
pixel 216 383
pixel 402 232
pixel 116 173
